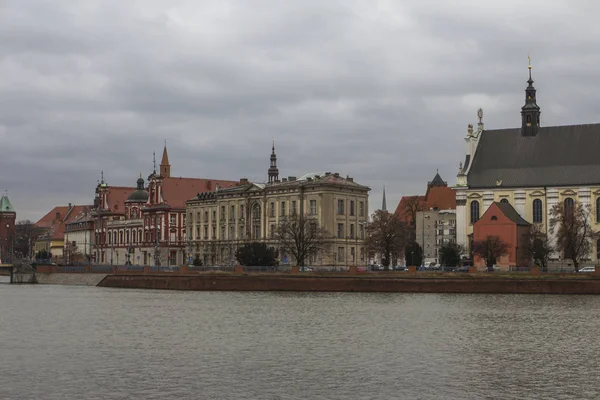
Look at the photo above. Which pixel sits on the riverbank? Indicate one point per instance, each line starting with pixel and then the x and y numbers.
pixel 468 283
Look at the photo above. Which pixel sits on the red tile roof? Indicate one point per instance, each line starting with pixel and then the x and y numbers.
pixel 441 197
pixel 176 191
pixel 56 219
pixel 401 210
pixel 116 197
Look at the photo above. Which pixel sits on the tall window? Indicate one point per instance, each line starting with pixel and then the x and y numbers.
pixel 474 211
pixel 283 208
pixel 361 209
pixel 598 209
pixel 569 204
pixel 293 209
pixel 351 231
pixel 256 221
pixel 537 211
pixel 313 207
pixel 232 213
pixel 272 210
pixel 340 231
pixel 352 207
pixel 340 209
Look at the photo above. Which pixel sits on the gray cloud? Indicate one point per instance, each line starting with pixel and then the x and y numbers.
pixel 382 91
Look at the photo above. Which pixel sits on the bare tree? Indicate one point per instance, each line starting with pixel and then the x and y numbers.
pixel 490 249
pixel 537 247
pixel 24 235
pixel 386 235
pixel 301 237
pixel 412 207
pixel 571 224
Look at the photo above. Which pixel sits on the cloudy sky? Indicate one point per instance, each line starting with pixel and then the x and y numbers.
pixel 380 90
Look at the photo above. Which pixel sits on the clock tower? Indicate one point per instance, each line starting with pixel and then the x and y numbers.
pixel 530 112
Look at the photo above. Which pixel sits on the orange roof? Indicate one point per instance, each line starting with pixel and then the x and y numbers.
pixel 176 191
pixel 401 210
pixel 441 197
pixel 56 219
pixel 116 197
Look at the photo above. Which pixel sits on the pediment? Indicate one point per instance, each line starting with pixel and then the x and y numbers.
pixel 536 193
pixel 474 196
pixel 568 192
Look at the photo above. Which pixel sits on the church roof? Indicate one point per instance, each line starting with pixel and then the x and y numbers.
pixel 509 212
pixel 556 156
pixel 5 205
pixel 437 181
pixel 165 157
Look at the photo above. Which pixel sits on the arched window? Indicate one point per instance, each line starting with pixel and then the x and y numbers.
pixel 114 237
pixel 537 211
pixel 134 234
pixel 474 211
pixel 127 237
pixel 504 201
pixel 121 237
pixel 529 119
pixel 569 204
pixel 598 209
pixel 256 221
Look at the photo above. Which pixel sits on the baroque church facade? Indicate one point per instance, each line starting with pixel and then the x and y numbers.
pixel 533 168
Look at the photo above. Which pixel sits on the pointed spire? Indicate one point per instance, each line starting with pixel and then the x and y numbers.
pixel 165 167
pixel 273 171
pixel 154 160
pixel 383 202
pixel 530 112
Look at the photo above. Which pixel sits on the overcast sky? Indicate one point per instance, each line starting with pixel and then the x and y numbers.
pixel 379 90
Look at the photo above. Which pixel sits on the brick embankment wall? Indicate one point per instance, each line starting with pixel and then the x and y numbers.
pixel 354 284
pixel 69 279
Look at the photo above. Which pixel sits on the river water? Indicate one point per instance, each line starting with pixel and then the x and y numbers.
pixel 68 342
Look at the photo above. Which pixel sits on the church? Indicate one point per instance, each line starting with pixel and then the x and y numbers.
pixel 532 167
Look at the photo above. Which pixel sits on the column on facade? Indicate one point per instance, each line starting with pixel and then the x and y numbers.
pixel 488 199
pixel 551 201
pixel 461 218
pixel 520 207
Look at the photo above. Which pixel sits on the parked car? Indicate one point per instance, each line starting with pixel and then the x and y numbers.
pixel 587 269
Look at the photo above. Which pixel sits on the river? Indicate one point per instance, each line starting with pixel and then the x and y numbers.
pixel 69 342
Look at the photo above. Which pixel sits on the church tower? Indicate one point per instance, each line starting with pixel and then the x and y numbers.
pixel 273 170
pixel 530 112
pixel 165 167
pixel 7 229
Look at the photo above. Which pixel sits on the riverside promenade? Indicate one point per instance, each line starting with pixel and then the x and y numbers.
pixel 184 278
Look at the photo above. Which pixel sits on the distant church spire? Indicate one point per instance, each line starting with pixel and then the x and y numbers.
pixel 273 170
pixel 383 202
pixel 165 167
pixel 530 112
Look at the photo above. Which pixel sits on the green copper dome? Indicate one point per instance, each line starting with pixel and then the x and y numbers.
pixel 5 205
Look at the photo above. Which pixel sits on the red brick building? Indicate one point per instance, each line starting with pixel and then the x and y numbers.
pixel 503 221
pixel 7 229
pixel 146 224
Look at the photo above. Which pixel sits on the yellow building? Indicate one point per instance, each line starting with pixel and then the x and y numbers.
pixel 220 221
pixel 531 167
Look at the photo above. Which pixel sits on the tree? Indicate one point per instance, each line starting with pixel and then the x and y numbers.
pixel 413 253
pixel 256 254
pixel 23 237
pixel 386 235
pixel 571 224
pixel 450 254
pixel 412 206
pixel 301 237
pixel 537 247
pixel 490 249
pixel 197 261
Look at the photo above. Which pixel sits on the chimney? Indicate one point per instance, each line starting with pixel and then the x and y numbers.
pixel 291 178
pixel 349 179
pixel 57 215
pixel 244 181
pixel 209 185
pixel 283 179
pixel 336 175
pixel 69 205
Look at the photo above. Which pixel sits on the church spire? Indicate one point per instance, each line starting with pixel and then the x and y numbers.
pixel 165 167
pixel 273 170
pixel 383 202
pixel 530 112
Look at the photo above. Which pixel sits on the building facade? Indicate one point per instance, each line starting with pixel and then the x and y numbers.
pixel 79 234
pixel 145 225
pixel 434 229
pixel 225 219
pixel 8 217
pixel 532 168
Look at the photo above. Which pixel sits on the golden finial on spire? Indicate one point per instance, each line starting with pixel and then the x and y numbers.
pixel 529 60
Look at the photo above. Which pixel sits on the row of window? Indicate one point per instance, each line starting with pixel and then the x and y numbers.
pixel 341 209
pixel 133 237
pixel 537 209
